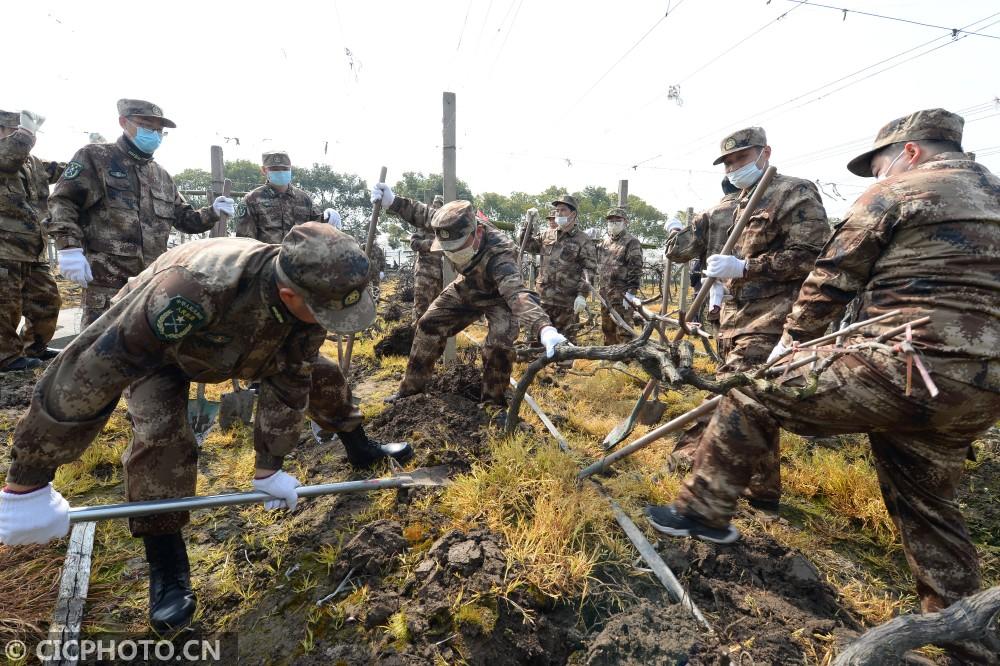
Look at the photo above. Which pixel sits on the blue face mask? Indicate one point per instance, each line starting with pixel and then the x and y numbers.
pixel 280 178
pixel 147 140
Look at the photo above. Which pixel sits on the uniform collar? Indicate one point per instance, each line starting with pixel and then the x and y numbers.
pixel 276 193
pixel 269 295
pixel 129 148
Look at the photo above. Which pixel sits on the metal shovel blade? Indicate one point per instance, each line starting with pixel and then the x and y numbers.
pixel 428 476
pixel 202 414
pixel 624 429
pixel 652 412
pixel 236 407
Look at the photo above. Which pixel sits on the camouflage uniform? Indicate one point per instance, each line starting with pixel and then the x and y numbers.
pixel 566 259
pixel 489 285
pixel 267 214
pixel 376 265
pixel 428 277
pixel 926 241
pixel 118 204
pixel 206 311
pixel 26 284
pixel 780 244
pixel 620 260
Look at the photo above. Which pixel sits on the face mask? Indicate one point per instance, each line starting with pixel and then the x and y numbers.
pixel 147 140
pixel 562 221
pixel 463 256
pixel 280 177
pixel 615 228
pixel 746 175
pixel 885 172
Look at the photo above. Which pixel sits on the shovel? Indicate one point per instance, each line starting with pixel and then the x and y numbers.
pixel 236 406
pixel 428 476
pixel 201 414
pixel 624 429
pixel 652 411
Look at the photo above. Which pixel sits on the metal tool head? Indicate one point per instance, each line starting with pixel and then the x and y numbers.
pixel 427 476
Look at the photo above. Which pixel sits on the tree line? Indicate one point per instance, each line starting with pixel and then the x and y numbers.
pixel 348 194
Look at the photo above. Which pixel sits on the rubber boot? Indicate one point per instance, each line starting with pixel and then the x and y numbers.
pixel 171 600
pixel 21 363
pixel 363 452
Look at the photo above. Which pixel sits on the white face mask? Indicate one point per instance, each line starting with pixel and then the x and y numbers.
pixel 615 228
pixel 884 173
pixel 746 175
pixel 562 221
pixel 463 256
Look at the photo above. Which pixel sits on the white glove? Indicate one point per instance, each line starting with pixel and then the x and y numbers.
pixel 715 295
pixel 281 485
pixel 631 299
pixel 725 266
pixel 382 192
pixel 579 304
pixel 549 338
pixel 223 205
pixel 36 517
pixel 74 266
pixel 381 275
pixel 31 121
pixel 778 350
pixel 333 217
pixel 673 225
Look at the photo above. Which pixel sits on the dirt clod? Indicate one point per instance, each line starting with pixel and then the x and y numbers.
pixel 652 634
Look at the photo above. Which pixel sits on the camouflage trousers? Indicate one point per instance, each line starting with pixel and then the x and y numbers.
pixel 161 461
pixel 450 314
pixel 26 289
pixel 613 333
pixel 740 354
pixel 96 301
pixel 564 319
pixel 427 282
pixel 918 444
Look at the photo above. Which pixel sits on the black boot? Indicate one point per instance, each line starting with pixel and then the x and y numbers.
pixel 362 452
pixel 46 354
pixel 171 601
pixel 21 363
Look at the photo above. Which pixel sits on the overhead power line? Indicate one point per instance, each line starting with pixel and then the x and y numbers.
pixel 954 31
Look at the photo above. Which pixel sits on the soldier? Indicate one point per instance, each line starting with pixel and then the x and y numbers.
pixel 268 212
pixel 924 239
pixel 26 284
pixel 772 257
pixel 704 236
pixel 488 284
pixel 427 276
pixel 620 274
pixel 113 208
pixel 206 311
pixel 376 269
pixel 568 255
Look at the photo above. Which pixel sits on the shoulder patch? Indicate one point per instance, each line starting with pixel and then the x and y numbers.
pixel 177 319
pixel 73 169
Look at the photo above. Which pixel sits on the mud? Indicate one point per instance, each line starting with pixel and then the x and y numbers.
pixel 762 595
pixel 396 342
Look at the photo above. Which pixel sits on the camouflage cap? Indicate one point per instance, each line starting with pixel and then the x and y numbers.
pixel 330 271
pixel 142 109
pixel 10 118
pixel 926 125
pixel 276 158
pixel 452 224
pixel 567 199
pixel 617 211
pixel 551 214
pixel 438 199
pixel 737 141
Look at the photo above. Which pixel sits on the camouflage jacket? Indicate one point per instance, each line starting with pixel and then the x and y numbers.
pixel 209 308
pixel 567 257
pixel 780 244
pixel 620 260
pixel 376 262
pixel 705 235
pixel 119 205
pixel 267 215
pixel 24 195
pixel 926 241
pixel 492 276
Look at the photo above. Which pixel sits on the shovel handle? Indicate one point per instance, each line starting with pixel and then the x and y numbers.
pixel 734 236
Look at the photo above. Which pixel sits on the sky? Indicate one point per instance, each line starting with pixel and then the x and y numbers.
pixel 554 92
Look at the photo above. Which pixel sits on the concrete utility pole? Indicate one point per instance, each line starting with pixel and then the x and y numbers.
pixel 218 189
pixel 623 193
pixel 450 194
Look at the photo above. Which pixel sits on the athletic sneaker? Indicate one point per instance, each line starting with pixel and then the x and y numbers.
pixel 668 520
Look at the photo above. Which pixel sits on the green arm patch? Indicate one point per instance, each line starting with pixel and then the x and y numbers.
pixel 73 169
pixel 177 319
